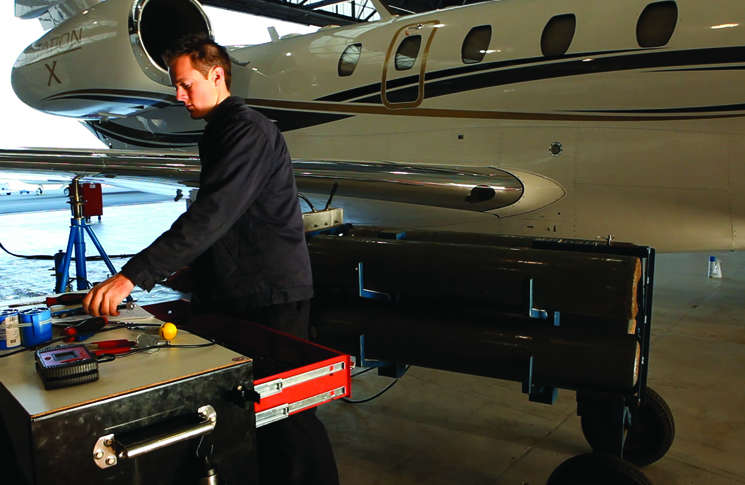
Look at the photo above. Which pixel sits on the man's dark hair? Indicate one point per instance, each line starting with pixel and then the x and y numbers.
pixel 204 53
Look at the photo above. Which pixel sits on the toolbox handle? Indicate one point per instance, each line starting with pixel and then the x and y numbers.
pixel 108 452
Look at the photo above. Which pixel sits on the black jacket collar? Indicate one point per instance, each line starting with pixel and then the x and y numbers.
pixel 228 104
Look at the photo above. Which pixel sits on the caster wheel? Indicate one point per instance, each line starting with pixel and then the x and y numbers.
pixel 651 434
pixel 597 469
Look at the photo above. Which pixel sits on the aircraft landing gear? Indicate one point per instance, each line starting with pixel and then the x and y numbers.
pixel 649 432
pixel 597 469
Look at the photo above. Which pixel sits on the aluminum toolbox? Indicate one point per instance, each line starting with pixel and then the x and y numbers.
pixel 55 435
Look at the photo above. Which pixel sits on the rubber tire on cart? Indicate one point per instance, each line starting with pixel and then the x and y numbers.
pixel 597 469
pixel 651 434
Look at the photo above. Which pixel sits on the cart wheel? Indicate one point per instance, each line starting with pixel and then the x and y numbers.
pixel 650 435
pixel 597 469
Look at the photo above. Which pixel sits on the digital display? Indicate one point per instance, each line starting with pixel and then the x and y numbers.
pixel 62 356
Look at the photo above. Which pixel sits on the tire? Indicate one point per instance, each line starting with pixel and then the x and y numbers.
pixel 651 434
pixel 597 469
pixel 39 191
pixel 66 191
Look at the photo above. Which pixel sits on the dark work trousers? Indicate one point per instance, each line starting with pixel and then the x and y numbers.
pixel 294 450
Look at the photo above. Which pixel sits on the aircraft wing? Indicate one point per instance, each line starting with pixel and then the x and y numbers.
pixel 484 189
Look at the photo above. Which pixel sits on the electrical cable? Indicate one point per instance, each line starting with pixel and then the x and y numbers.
pixel 44 257
pixel 134 351
pixel 70 280
pixel 362 372
pixel 375 396
pixel 104 357
pixel 307 201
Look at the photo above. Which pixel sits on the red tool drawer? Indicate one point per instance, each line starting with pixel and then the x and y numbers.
pixel 290 374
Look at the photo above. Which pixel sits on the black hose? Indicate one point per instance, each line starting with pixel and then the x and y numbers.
pixel 375 396
pixel 44 257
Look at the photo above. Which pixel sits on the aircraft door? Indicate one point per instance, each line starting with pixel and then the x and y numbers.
pixel 405 64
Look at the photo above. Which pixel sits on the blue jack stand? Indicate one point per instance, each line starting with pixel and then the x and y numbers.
pixel 77 239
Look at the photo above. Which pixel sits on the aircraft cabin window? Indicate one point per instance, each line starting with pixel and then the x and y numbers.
pixel 349 59
pixel 558 35
pixel 656 24
pixel 407 52
pixel 476 43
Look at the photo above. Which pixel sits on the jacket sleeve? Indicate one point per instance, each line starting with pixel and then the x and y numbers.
pixel 241 161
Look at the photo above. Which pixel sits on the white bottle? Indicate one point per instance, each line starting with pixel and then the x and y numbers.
pixel 715 267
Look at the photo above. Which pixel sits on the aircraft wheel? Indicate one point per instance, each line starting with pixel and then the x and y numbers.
pixel 66 192
pixel 651 434
pixel 39 191
pixel 597 469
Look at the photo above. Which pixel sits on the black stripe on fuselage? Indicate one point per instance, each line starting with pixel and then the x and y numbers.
pixel 455 71
pixel 469 78
pixel 285 120
pixel 295 120
pixel 146 138
pixel 122 96
pixel 725 108
pixel 695 69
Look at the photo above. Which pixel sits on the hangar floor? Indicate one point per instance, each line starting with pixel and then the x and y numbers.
pixel 437 427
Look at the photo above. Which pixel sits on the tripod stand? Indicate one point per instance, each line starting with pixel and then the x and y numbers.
pixel 77 240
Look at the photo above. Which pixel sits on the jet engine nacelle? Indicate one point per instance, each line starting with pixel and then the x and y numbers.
pixel 121 42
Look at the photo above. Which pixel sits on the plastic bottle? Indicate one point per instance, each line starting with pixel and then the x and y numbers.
pixel 715 267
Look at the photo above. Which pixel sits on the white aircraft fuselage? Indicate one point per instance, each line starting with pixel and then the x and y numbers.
pixel 617 117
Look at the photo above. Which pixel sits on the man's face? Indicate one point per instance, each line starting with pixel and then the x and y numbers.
pixel 199 94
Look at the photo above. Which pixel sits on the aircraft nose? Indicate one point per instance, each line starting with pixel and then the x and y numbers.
pixel 27 84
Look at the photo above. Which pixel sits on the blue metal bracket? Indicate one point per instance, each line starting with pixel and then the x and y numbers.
pixel 363 362
pixel 385 368
pixel 540 394
pixel 397 235
pixel 537 313
pixel 373 295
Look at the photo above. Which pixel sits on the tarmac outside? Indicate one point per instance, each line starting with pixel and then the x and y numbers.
pixel 122 230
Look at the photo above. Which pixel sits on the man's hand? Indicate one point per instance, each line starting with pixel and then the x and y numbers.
pixel 106 296
pixel 182 280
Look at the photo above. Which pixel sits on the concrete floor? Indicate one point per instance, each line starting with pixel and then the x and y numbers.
pixel 436 427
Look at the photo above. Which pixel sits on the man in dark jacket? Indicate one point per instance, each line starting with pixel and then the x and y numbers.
pixel 241 243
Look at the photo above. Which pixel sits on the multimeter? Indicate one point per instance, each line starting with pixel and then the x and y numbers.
pixel 66 365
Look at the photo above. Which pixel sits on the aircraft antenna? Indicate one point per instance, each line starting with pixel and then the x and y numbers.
pixel 382 9
pixel 273 33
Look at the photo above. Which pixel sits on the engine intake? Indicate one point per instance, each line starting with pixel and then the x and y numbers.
pixel 155 24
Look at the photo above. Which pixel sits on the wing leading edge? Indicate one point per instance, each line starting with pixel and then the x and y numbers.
pixel 481 189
